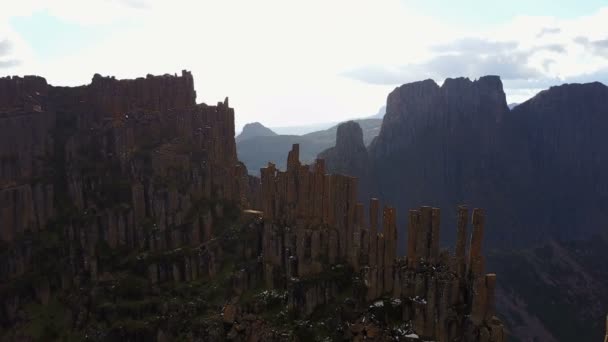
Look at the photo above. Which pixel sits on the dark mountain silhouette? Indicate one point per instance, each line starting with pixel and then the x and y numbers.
pixel 254 129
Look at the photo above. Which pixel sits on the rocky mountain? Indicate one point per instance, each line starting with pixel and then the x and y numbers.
pixel 459 143
pixel 125 215
pixel 539 169
pixel 256 152
pixel 254 129
pixel 349 155
pixel 437 144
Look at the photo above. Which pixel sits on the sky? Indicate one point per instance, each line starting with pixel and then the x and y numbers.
pixel 285 63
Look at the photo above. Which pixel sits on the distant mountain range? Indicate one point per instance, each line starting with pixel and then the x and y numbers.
pixel 254 129
pixel 257 145
pixel 319 126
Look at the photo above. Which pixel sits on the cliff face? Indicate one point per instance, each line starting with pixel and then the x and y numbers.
pixel 459 143
pixel 118 165
pixel 73 144
pixel 437 144
pixel 555 163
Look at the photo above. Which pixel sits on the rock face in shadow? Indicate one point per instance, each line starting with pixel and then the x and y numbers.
pixel 555 162
pixel 349 155
pixel 460 143
pixel 437 144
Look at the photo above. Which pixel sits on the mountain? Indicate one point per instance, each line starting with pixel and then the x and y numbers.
pixel 321 126
pixel 349 155
pixel 437 143
pixel 460 143
pixel 513 105
pixel 256 152
pixel 254 129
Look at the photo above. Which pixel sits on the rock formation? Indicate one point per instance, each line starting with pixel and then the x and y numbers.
pixel 538 169
pixel 449 144
pixel 312 222
pixel 349 156
pixel 114 165
pixel 126 215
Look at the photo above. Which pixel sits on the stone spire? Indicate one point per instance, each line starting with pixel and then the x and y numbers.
pixel 461 242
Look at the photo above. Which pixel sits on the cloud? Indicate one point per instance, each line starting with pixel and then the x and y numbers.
pixel 475 45
pixel 598 47
pixel 9 63
pixel 548 31
pixel 5 47
pixel 6 60
pixel 470 57
pixel 137 4
pixel 557 48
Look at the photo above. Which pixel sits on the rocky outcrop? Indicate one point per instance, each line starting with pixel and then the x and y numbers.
pixel 127 164
pixel 312 224
pixel 349 156
pixel 437 142
pixel 254 129
pixel 448 144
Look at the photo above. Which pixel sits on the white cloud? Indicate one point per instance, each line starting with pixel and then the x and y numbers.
pixel 284 62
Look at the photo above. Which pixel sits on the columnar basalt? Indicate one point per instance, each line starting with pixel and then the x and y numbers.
pixel 444 296
pixel 115 165
pixel 117 193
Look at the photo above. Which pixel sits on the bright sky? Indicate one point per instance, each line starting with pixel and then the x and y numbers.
pixel 286 62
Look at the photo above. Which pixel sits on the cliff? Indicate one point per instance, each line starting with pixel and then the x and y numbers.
pixel 450 144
